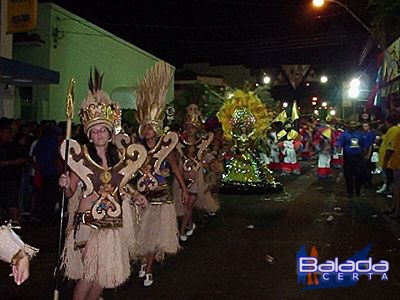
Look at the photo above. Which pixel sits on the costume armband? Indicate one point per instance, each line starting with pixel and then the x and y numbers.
pixel 12 248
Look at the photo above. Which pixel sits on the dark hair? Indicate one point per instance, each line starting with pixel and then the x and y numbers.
pixel 112 154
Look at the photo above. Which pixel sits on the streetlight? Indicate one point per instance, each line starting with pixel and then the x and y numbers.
pixel 285 104
pixel 324 79
pixel 324 104
pixel 354 90
pixel 320 3
pixel 266 79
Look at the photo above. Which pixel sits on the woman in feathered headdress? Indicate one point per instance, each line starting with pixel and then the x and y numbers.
pixel 100 239
pixel 157 234
pixel 191 152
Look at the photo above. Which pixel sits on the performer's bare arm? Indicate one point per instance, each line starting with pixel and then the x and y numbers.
pixel 70 182
pixel 178 174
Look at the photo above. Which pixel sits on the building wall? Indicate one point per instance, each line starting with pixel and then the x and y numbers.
pixel 6 91
pixel 73 46
pixel 235 76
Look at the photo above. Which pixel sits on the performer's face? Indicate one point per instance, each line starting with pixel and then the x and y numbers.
pixel 149 132
pixel 100 135
pixel 191 129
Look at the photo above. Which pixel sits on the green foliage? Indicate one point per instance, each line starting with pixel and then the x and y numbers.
pixel 386 20
pixel 208 99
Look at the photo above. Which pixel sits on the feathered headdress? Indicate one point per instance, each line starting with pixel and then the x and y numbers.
pixel 193 116
pixel 244 109
pixel 150 99
pixel 98 108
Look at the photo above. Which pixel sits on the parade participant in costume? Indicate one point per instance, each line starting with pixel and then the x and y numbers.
pixel 307 142
pixel 245 120
pixel 100 237
pixel 289 143
pixel 274 159
pixel 157 234
pixel 337 157
pixel 15 252
pixel 191 152
pixel 215 157
pixel 323 143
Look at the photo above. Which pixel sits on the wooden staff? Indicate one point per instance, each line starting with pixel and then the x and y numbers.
pixel 69 114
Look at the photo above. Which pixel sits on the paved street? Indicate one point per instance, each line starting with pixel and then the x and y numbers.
pixel 227 256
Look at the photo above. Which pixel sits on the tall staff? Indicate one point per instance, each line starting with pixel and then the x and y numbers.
pixel 69 114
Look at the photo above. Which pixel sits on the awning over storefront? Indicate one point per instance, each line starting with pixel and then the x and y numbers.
pixel 20 74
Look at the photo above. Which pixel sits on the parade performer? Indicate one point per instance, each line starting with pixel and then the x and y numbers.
pixel 15 252
pixel 245 120
pixel 215 157
pixel 191 151
pixel 157 234
pixel 323 143
pixel 307 142
pixel 274 159
pixel 289 143
pixel 337 157
pixel 100 237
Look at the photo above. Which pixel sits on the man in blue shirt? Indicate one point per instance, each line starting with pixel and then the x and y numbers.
pixel 369 139
pixel 352 142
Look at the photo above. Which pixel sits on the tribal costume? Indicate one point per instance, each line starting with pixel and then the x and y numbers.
pixel 100 242
pixel 191 159
pixel 157 233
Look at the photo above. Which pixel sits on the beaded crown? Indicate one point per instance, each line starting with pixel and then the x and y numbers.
pixel 98 108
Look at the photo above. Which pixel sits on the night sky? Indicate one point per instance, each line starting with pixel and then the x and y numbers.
pixel 256 33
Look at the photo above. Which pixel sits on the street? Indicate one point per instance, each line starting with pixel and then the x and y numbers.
pixel 248 251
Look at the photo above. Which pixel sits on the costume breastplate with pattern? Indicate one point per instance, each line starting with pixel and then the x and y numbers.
pixel 155 169
pixel 192 153
pixel 105 183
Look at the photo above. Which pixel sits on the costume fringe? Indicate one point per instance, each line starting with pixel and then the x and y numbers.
pixel 158 231
pixel 106 256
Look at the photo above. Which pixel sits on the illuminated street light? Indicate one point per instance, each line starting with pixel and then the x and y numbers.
pixel 324 79
pixel 324 104
pixel 354 90
pixel 266 79
pixel 314 103
pixel 320 3
pixel 355 83
pixel 353 93
pixel 314 98
pixel 316 112
pixel 332 112
pixel 285 104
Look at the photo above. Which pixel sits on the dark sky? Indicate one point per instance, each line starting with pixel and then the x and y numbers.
pixel 257 33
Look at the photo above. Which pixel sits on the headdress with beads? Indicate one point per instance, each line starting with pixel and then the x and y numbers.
pixel 193 116
pixel 98 108
pixel 150 99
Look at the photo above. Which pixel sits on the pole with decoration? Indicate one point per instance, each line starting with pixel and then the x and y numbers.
pixel 69 114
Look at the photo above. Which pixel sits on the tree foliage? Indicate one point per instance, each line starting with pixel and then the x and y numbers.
pixel 386 20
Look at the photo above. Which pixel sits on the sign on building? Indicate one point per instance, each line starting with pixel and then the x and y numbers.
pixel 21 15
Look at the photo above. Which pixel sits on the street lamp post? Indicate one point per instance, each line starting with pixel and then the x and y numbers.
pixel 320 3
